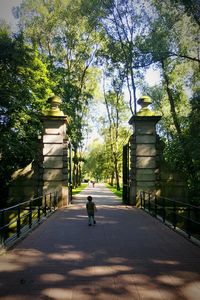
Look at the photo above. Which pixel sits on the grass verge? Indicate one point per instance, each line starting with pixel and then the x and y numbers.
pixel 79 188
pixel 114 190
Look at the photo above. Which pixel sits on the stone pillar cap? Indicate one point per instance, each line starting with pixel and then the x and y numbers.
pixel 54 111
pixel 145 101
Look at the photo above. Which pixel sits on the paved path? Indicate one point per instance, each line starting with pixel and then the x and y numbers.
pixel 127 255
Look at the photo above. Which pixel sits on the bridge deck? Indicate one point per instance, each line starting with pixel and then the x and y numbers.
pixel 127 255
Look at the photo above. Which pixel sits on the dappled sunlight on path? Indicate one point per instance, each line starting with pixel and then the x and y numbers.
pixel 101 195
pixel 127 255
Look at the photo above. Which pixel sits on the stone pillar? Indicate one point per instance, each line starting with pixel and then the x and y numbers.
pixel 53 170
pixel 144 156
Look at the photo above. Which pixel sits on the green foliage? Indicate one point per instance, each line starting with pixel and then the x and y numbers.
pixel 24 86
pixel 59 29
pixel 190 7
pixel 173 43
pixel 100 160
pixel 192 141
pixel 95 165
pixel 181 154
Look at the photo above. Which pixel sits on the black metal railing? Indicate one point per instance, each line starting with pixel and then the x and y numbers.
pixel 19 219
pixel 180 215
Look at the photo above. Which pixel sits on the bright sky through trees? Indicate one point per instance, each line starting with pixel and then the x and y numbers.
pixel 152 77
pixel 6 11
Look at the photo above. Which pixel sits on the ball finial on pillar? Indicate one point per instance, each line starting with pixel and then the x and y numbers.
pixel 54 111
pixel 144 102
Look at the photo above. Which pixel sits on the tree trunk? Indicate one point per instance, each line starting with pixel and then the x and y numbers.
pixel 134 90
pixel 112 179
pixel 171 101
pixel 186 156
pixel 79 174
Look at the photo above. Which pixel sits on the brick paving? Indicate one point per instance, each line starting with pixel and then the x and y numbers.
pixel 127 255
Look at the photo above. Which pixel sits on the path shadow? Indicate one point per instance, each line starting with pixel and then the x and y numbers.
pixel 127 255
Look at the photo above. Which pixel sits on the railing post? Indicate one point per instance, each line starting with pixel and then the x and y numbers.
pixel 149 203
pixel 155 207
pixel 141 199
pixel 30 214
pixel 50 203
pixel 38 213
pixel 70 192
pixel 55 201
pixel 45 205
pixel 188 221
pixel 164 212
pixel 2 224
pixel 18 221
pixel 174 214
pixel 144 200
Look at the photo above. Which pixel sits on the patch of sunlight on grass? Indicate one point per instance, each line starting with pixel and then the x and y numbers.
pixel 79 188
pixel 114 190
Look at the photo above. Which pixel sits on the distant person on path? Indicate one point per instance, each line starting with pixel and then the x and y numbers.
pixel 93 183
pixel 91 209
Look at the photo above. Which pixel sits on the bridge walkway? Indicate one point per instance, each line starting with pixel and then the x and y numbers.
pixel 127 255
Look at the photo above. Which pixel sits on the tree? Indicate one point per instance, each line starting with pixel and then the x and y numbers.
pixel 59 30
pixel 24 87
pixel 116 109
pixel 190 7
pixel 174 46
pixel 192 140
pixel 122 24
pixel 95 162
